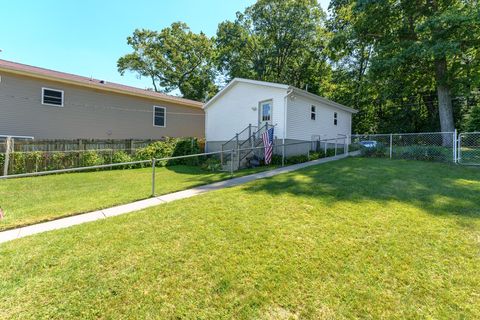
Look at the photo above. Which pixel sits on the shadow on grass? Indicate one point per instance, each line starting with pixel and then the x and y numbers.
pixel 441 189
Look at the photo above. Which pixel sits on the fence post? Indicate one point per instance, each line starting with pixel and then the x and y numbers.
pixel 335 147
pixel 153 176
pixel 238 149
pixel 8 148
pixel 391 145
pixel 326 143
pixel 221 156
pixel 232 155
pixel 455 146
pixel 283 153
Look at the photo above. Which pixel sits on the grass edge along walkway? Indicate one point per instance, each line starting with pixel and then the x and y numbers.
pixel 66 222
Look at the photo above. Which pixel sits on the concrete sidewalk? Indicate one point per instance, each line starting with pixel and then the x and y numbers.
pixel 143 204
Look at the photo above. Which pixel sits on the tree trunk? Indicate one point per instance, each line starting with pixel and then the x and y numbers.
pixel 444 97
pixel 445 109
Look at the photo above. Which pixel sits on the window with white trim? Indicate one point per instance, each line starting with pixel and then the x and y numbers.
pixel 159 116
pixel 313 112
pixel 335 118
pixel 52 97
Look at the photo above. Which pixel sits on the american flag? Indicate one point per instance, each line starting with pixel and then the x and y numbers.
pixel 267 138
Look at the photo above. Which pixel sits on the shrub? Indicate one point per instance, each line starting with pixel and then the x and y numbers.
pixel 121 157
pixel 317 155
pixel 2 161
pixel 296 159
pixel 185 147
pixel 374 152
pixel 330 152
pixel 424 153
pixel 212 164
pixel 58 160
pixel 91 158
pixel 171 147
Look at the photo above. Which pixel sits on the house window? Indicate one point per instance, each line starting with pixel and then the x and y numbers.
pixel 266 111
pixel 52 97
pixel 335 118
pixel 159 116
pixel 313 112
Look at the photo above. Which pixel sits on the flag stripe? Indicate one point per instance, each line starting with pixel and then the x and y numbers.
pixel 267 138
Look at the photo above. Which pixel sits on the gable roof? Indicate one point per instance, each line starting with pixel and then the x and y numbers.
pixel 47 74
pixel 289 89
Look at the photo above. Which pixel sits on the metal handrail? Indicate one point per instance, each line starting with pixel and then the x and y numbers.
pixel 237 134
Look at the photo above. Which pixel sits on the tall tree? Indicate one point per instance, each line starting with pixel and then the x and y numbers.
pixel 174 59
pixel 278 41
pixel 429 42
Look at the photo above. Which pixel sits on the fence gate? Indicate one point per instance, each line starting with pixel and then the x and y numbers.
pixel 469 148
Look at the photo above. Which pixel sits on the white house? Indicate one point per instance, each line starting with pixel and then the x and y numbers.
pixel 296 114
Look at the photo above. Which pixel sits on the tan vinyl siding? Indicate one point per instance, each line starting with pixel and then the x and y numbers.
pixel 88 113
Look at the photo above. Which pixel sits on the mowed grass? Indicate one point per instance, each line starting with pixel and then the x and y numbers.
pixel 356 238
pixel 36 199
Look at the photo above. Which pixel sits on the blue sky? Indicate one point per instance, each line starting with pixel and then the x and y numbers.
pixel 87 37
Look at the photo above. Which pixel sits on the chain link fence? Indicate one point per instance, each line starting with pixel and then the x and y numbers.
pixel 435 146
pixel 469 148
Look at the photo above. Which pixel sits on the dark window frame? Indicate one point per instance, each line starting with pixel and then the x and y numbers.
pixel 50 97
pixel 164 116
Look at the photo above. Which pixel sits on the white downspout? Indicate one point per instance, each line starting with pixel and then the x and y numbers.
pixel 285 104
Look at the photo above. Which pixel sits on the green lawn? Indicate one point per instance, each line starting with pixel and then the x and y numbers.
pixel 36 199
pixel 355 238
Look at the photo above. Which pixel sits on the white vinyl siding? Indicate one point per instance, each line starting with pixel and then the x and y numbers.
pixel 239 107
pixel 159 116
pixel 52 97
pixel 301 127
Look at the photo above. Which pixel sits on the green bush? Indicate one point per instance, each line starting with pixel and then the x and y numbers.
pixel 91 158
pixel 185 147
pixel 424 153
pixel 317 155
pixel 2 161
pixel 171 147
pixel 58 160
pixel 121 157
pixel 472 123
pixel 212 164
pixel 296 159
pixel 376 152
pixel 330 152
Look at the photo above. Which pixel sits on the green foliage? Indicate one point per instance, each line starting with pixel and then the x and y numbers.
pixel 212 164
pixel 2 161
pixel 378 151
pixel 174 58
pixel 425 153
pixel 171 147
pixel 91 158
pixel 276 40
pixel 121 157
pixel 472 123
pixel 296 159
pixel 394 58
pixel 185 147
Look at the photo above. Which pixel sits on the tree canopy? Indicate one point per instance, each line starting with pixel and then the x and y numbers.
pixel 174 59
pixel 406 65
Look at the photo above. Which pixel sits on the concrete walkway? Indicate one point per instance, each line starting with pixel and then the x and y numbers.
pixel 143 204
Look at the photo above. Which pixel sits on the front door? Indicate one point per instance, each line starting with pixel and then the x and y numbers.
pixel 265 114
